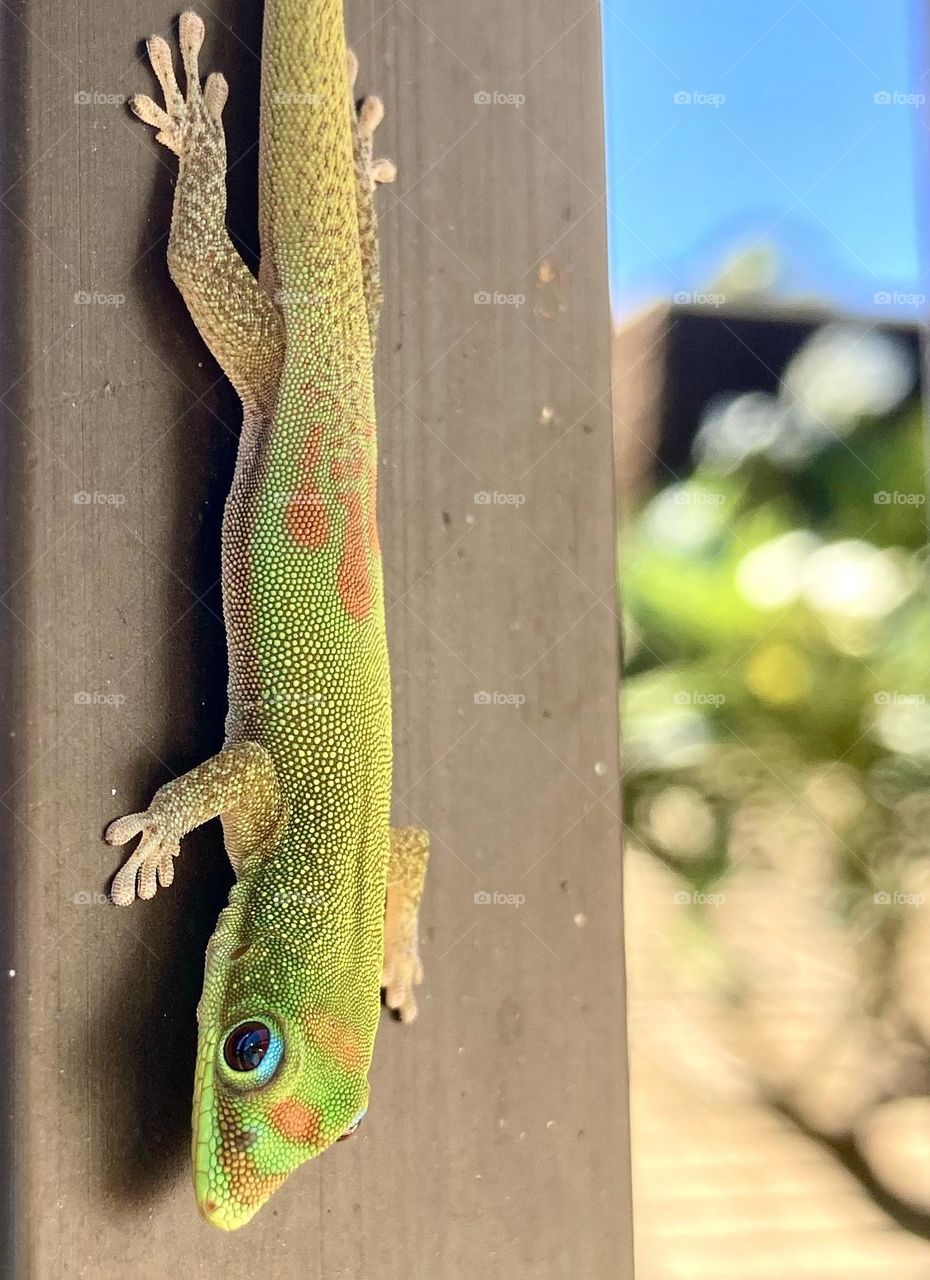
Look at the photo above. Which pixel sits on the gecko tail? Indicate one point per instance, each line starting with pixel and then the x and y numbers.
pixel 307 195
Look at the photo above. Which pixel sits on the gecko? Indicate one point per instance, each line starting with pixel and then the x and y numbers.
pixel 322 916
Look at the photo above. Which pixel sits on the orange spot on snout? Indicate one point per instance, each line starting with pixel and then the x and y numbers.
pixel 297 1121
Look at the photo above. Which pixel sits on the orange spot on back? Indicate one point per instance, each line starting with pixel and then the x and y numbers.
pixel 296 1121
pixel 306 515
pixel 349 468
pixel 354 577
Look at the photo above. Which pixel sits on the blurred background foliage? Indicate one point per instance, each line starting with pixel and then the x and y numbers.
pixel 777 788
pixel 777 631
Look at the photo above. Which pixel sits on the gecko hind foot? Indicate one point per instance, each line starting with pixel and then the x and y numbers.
pixel 370 115
pixel 182 121
pixel 369 112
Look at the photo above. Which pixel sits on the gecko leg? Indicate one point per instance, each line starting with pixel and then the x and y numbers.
pixel 240 784
pixel 237 319
pixel 368 174
pixel 406 875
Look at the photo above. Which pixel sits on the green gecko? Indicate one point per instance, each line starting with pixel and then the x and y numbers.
pixel 323 914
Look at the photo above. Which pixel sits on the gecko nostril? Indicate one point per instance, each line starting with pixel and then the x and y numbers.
pixel 240 951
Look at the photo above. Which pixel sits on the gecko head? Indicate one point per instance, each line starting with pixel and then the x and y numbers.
pixel 278 1081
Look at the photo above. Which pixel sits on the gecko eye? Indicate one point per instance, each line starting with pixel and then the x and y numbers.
pixel 246 1046
pixel 252 1052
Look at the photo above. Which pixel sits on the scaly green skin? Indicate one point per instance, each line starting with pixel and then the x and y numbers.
pixel 303 783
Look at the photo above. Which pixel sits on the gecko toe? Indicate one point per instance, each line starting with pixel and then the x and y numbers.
pixel 370 115
pixel 215 95
pixel 352 67
pixel 149 112
pixel 163 66
pixel 122 830
pixel 383 171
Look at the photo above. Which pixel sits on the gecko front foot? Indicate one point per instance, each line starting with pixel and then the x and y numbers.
pixel 183 122
pixel 152 862
pixel 402 969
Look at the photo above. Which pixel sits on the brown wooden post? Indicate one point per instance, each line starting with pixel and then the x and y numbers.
pixel 496 1144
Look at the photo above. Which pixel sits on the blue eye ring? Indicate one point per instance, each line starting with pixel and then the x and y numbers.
pixel 251 1051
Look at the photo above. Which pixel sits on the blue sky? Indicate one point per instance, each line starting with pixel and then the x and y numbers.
pixel 783 141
